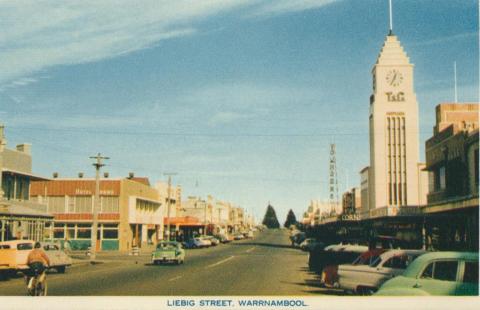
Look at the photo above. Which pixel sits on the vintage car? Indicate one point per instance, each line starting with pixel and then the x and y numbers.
pixel 334 254
pixel 308 244
pixel 213 241
pixel 168 251
pixel 365 279
pixel 329 277
pixel 195 243
pixel 436 273
pixel 14 253
pixel 238 237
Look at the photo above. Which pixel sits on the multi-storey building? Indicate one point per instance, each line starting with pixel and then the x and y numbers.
pixel 394 172
pixel 130 213
pixel 20 218
pixel 452 163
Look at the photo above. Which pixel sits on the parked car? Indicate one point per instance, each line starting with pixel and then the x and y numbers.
pixel 222 238
pixel 308 244
pixel 213 241
pixel 58 259
pixel 14 253
pixel 250 234
pixel 322 257
pixel 366 279
pixel 168 251
pixel 297 238
pixel 437 273
pixel 194 243
pixel 329 277
pixel 334 257
pixel 238 237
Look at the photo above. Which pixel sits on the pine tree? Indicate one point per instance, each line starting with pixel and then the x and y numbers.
pixel 291 219
pixel 270 219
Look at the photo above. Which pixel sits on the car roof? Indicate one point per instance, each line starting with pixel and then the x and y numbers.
pixel 391 253
pixel 414 267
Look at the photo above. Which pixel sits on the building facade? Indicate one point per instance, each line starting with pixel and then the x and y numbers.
pixel 20 218
pixel 130 213
pixel 452 163
pixel 393 178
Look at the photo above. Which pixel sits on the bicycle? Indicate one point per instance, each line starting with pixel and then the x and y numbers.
pixel 37 284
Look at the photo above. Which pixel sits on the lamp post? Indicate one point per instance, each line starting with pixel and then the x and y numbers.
pixel 168 202
pixel 98 164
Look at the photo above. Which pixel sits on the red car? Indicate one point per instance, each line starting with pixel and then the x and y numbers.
pixel 329 276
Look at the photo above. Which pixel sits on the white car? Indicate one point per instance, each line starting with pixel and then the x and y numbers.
pixel 366 279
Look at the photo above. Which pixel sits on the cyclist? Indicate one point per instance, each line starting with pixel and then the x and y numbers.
pixel 38 261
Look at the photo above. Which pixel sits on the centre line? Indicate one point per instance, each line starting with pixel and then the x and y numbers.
pixel 250 250
pixel 175 278
pixel 220 262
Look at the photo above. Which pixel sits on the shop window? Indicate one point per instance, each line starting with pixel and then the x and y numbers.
pixel 110 231
pixel 110 234
pixel 59 233
pixel 84 231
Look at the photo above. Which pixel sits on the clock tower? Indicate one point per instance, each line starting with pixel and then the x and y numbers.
pixel 394 169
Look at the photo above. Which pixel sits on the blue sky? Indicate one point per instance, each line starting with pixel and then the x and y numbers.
pixel 240 98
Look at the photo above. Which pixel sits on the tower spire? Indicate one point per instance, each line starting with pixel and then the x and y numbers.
pixel 390 32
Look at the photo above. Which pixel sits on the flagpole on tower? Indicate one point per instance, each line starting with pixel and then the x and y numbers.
pixel 391 17
pixel 455 79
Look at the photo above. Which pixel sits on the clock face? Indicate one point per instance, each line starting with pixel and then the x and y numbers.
pixel 394 78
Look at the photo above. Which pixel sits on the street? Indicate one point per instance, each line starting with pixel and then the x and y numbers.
pixel 265 265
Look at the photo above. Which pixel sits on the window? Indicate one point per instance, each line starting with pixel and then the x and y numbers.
pixel 446 271
pixel 56 204
pixel 24 246
pixel 441 173
pixel 109 204
pixel 470 275
pixel 110 231
pixel 398 262
pixel 71 231
pixel 428 272
pixel 84 231
pixel 83 204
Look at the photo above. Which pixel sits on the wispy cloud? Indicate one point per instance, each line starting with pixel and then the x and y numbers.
pixel 37 35
pixel 447 39
pixel 286 6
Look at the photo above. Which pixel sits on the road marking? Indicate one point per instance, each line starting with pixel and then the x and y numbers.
pixel 175 278
pixel 220 262
pixel 250 250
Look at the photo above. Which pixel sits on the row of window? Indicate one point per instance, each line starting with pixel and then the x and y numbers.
pixel 81 204
pixel 397 194
pixel 75 231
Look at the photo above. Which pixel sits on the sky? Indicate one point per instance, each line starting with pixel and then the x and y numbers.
pixel 241 99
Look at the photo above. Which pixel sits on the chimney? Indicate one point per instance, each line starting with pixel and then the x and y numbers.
pixel 24 148
pixel 131 175
pixel 80 175
pixel 55 175
pixel 106 175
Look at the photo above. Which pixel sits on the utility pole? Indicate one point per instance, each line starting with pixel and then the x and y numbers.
pixel 98 164
pixel 169 174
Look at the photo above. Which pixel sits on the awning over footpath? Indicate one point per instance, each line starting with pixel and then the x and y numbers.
pixel 182 221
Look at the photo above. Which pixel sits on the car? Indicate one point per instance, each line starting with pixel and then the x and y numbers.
pixel 194 243
pixel 59 260
pixel 330 277
pixel 365 279
pixel 238 237
pixel 250 234
pixel 436 273
pixel 308 244
pixel 297 238
pixel 14 253
pixel 168 251
pixel 222 238
pixel 334 257
pixel 213 241
pixel 322 256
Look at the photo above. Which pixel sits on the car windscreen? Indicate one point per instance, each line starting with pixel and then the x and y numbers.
pixel 166 246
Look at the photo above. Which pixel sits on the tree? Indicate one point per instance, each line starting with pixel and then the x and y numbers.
pixel 270 219
pixel 291 219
